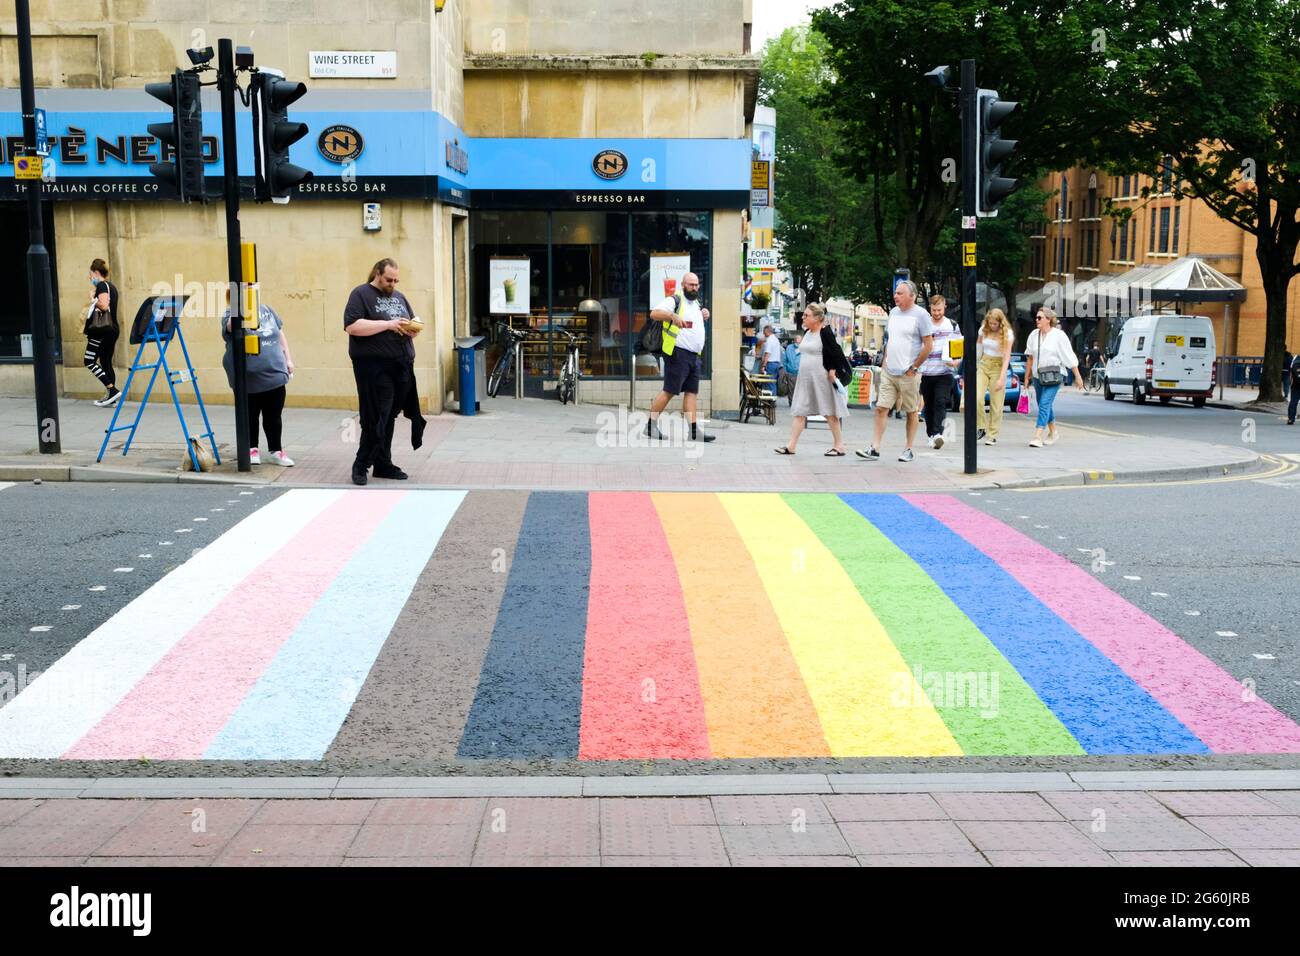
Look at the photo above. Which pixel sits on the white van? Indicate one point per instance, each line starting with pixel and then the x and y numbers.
pixel 1162 355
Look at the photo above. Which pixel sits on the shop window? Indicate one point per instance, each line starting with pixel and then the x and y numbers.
pixel 15 323
pixel 672 235
pixel 509 252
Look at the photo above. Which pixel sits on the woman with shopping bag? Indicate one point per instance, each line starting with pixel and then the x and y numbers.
pixel 1048 354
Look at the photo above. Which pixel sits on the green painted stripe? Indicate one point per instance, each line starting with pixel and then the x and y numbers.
pixel 987 706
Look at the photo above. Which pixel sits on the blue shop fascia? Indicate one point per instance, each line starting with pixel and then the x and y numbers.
pixel 375 146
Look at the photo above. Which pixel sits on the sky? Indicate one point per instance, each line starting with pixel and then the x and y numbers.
pixel 773 16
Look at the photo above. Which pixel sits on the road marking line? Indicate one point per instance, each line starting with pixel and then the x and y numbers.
pixel 99 587
pixel 1131 577
pixel 1192 613
pixel 1264 657
pixel 1159 594
pixel 123 570
pixel 39 628
pixel 1226 633
pixel 70 607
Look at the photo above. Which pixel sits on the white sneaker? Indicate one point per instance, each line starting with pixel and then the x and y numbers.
pixel 254 456
pixel 108 400
pixel 990 441
pixel 1051 439
pixel 930 440
pixel 280 458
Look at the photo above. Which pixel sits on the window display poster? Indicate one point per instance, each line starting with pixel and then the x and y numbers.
pixel 508 279
pixel 666 271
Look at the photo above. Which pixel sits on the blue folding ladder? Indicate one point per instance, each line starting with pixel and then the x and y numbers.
pixel 164 325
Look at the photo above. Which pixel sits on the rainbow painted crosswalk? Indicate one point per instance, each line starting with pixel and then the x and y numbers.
pixel 612 625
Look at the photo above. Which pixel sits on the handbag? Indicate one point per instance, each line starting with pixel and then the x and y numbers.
pixel 1022 406
pixel 1047 377
pixel 98 320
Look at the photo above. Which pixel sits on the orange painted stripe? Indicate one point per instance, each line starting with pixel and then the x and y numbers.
pixel 755 701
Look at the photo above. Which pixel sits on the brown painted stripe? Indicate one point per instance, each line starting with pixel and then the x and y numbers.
pixel 417 696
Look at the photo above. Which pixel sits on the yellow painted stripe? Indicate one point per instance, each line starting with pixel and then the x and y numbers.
pixel 853 672
pixel 755 701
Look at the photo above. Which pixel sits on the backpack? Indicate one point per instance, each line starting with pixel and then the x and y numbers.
pixel 659 338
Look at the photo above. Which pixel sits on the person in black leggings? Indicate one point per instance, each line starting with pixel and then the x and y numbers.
pixel 267 374
pixel 101 342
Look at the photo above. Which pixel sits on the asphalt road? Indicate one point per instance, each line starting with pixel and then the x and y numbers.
pixel 1263 433
pixel 1216 562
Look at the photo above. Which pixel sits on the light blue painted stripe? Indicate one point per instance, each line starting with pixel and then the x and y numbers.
pixel 297 707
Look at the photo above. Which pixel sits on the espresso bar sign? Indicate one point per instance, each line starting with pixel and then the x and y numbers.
pixel 373 64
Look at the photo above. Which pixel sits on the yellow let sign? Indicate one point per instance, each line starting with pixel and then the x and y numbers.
pixel 27 167
pixel 758 174
pixel 968 253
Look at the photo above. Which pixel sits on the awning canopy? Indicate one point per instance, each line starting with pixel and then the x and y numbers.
pixel 1189 279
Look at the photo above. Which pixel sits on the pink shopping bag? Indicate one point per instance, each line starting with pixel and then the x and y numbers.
pixel 1022 406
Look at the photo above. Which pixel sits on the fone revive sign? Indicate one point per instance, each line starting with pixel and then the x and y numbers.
pixel 380 64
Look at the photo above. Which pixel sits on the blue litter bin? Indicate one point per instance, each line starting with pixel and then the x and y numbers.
pixel 469 376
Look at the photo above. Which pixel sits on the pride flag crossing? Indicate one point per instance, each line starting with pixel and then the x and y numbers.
pixel 622 625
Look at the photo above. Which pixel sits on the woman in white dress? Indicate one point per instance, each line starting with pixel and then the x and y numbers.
pixel 816 389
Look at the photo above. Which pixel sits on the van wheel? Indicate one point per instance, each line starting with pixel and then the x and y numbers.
pixel 1138 397
pixel 1166 399
pixel 1105 390
pixel 1198 401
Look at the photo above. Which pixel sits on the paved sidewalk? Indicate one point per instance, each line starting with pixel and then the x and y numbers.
pixel 1083 819
pixel 537 444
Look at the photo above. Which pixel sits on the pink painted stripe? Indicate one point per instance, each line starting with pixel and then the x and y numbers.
pixel 180 706
pixel 1207 699
pixel 640 689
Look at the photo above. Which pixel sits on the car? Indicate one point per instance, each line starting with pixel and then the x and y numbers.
pixel 859 358
pixel 1010 399
pixel 1018 364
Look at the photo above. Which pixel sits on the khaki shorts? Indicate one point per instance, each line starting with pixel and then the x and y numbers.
pixel 900 391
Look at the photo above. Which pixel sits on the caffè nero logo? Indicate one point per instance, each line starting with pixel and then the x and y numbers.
pixel 340 144
pixel 609 164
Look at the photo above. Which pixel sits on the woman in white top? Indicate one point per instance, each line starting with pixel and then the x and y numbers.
pixel 1048 354
pixel 993 346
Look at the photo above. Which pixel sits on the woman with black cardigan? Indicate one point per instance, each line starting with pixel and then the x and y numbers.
pixel 817 391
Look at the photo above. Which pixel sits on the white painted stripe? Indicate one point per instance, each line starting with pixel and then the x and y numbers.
pixel 6 484
pixel 300 702
pixel 71 697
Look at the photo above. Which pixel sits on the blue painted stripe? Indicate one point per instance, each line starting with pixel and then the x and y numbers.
pixel 297 707
pixel 1105 710
pixel 529 697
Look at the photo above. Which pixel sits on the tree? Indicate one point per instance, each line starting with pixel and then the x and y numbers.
pixel 1219 92
pixel 828 225
pixel 1049 55
pixel 1003 248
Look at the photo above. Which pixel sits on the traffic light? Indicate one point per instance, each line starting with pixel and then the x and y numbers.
pixel 273 134
pixel 991 188
pixel 183 169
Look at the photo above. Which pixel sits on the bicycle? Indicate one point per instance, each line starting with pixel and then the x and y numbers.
pixel 1096 378
pixel 569 374
pixel 504 369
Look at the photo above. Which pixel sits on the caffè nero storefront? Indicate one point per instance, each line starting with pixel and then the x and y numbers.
pixel 554 237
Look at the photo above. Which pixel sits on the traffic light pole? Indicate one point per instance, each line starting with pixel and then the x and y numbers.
pixel 969 187
pixel 230 170
pixel 40 304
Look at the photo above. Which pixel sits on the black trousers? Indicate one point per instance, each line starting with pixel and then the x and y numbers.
pixel 935 391
pixel 99 356
pixel 381 386
pixel 269 406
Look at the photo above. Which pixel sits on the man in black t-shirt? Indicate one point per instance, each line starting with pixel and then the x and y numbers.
pixel 383 360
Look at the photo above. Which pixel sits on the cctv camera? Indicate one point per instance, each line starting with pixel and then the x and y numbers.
pixel 938 77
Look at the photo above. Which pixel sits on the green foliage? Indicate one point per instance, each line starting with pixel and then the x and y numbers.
pixel 826 223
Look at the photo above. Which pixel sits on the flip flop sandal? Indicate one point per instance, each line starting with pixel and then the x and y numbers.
pixel 783 451
pixel 834 454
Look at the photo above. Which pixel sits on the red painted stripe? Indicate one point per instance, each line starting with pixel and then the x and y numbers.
pixel 641 692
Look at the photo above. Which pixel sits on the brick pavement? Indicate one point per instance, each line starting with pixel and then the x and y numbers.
pixel 1090 828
